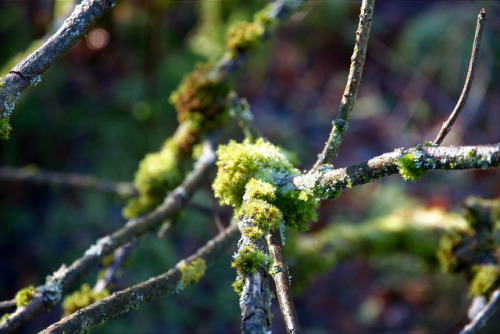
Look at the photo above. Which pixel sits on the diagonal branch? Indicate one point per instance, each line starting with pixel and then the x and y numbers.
pixel 482 317
pixel 28 70
pixel 341 124
pixel 445 129
pixel 145 292
pixel 33 174
pixel 51 293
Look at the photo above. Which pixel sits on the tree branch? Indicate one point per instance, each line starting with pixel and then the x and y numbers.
pixel 445 129
pixel 27 72
pixel 279 271
pixel 327 183
pixel 51 293
pixel 482 317
pixel 341 124
pixel 7 306
pixel 145 292
pixel 33 174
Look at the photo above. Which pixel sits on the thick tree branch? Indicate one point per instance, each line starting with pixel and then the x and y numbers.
pixel 27 72
pixel 328 183
pixel 341 124
pixel 33 174
pixel 51 293
pixel 482 317
pixel 279 271
pixel 145 292
pixel 445 129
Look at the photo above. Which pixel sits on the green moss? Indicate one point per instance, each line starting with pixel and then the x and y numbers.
pixel 5 128
pixel 24 296
pixel 82 298
pixel 471 153
pixel 485 280
pixel 427 143
pixel 409 168
pixel 249 260
pixel 4 317
pixel 257 189
pixel 445 254
pixel 238 286
pixel 253 233
pixel 192 272
pixel 265 216
pixel 244 36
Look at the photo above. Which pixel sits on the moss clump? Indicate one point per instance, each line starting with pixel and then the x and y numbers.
pixel 253 233
pixel 238 164
pixel 24 296
pixel 485 280
pixel 201 96
pixel 238 285
pixel 447 247
pixel 249 260
pixel 192 272
pixel 265 216
pixel 409 168
pixel 244 36
pixel 82 298
pixel 5 128
pixel 4 317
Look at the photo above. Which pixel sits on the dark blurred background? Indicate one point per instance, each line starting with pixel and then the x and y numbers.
pixel 102 107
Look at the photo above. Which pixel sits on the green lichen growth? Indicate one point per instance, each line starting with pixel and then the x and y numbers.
pixel 4 317
pixel 201 96
pixel 253 233
pixel 192 272
pixel 409 168
pixel 5 128
pixel 265 216
pixel 238 164
pixel 485 280
pixel 82 298
pixel 249 260
pixel 24 296
pixel 244 36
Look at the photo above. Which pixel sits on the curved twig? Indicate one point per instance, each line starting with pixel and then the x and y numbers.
pixel 445 129
pixel 28 70
pixel 341 124
pixel 145 292
pixel 482 317
pixel 33 174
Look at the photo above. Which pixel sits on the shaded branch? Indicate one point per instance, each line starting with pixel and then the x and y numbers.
pixel 445 129
pixel 51 293
pixel 28 70
pixel 279 271
pixel 33 174
pixel 7 306
pixel 327 183
pixel 341 124
pixel 482 317
pixel 145 292
pixel 240 109
pixel 121 255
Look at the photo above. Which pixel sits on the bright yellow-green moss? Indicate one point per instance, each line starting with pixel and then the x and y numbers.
pixel 244 36
pixel 82 298
pixel 24 296
pixel 253 233
pixel 5 128
pixel 238 286
pixel 192 272
pixel 257 189
pixel 201 96
pixel 485 280
pixel 265 216
pixel 6 315
pixel 249 260
pixel 264 18
pixel 409 169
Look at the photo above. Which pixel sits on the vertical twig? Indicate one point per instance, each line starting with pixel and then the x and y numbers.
pixel 279 271
pixel 341 124
pixel 445 129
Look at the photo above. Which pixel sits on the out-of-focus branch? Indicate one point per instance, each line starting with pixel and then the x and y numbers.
pixel 328 182
pixel 33 174
pixel 145 292
pixel 482 317
pixel 445 129
pixel 51 293
pixel 28 71
pixel 7 306
pixel 240 109
pixel 341 124
pixel 279 271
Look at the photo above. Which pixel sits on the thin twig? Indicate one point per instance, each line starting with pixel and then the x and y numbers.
pixel 482 317
pixel 51 293
pixel 145 292
pixel 28 70
pixel 445 129
pixel 328 182
pixel 7 306
pixel 279 271
pixel 240 109
pixel 33 174
pixel 341 124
